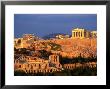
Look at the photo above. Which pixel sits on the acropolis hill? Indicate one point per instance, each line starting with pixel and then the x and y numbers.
pixel 82 43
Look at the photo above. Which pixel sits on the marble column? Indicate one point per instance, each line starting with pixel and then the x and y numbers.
pixel 73 34
pixel 76 34
pixel 79 34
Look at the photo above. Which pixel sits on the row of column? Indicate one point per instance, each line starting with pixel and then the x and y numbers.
pixel 54 58
pixel 78 34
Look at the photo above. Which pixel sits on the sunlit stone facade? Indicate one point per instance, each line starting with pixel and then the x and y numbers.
pixel 82 33
pixel 34 64
pixel 94 34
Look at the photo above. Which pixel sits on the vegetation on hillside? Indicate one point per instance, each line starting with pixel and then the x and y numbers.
pixel 79 59
pixel 75 72
pixel 54 46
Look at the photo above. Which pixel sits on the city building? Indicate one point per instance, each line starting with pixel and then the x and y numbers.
pixel 25 41
pixel 62 36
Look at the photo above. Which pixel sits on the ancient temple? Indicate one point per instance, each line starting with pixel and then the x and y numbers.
pixel 82 33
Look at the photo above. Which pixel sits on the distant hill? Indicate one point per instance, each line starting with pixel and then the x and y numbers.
pixel 53 35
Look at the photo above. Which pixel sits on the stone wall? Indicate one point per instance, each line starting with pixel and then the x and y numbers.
pixel 34 65
pixel 76 65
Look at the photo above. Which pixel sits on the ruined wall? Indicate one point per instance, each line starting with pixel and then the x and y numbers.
pixel 76 65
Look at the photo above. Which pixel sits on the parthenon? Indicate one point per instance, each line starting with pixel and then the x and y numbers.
pixel 82 33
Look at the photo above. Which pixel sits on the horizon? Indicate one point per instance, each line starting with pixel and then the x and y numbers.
pixel 52 23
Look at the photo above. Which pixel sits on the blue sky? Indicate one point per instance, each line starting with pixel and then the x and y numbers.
pixel 44 24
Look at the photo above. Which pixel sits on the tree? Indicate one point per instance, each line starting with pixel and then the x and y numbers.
pixel 19 41
pixel 44 54
pixel 19 73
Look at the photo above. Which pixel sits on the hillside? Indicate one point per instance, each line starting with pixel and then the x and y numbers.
pixel 70 47
pixel 78 47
